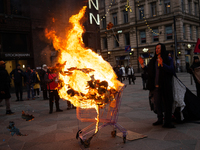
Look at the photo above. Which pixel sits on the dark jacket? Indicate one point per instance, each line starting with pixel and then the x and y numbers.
pixel 17 76
pixel 165 73
pixel 30 77
pixel 4 83
pixel 42 80
pixel 191 69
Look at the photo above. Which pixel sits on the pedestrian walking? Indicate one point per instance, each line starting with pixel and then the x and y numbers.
pixel 194 71
pixel 30 79
pixel 53 84
pixel 43 84
pixel 131 76
pixel 17 75
pixel 123 73
pixel 5 87
pixel 36 87
pixel 119 73
pixel 160 73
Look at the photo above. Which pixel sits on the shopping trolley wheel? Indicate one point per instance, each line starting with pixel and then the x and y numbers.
pixel 113 133
pixel 124 139
pixel 86 143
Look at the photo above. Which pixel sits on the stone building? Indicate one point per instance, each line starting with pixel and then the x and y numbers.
pixel 146 23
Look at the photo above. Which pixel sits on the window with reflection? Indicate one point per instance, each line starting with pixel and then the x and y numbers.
pixel 141 12
pixel 167 6
pixel 168 31
pixel 15 7
pixel 155 35
pixel 142 37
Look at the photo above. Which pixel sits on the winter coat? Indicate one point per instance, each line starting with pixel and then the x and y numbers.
pixel 4 84
pixel 17 76
pixel 30 77
pixel 50 79
pixel 191 69
pixel 37 84
pixel 130 70
pixel 123 71
pixel 42 81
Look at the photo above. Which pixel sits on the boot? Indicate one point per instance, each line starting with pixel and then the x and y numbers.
pixel 9 112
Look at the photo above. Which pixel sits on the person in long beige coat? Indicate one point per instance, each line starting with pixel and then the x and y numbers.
pixel 37 84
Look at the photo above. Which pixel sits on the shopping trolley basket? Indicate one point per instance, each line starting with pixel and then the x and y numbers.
pixel 108 115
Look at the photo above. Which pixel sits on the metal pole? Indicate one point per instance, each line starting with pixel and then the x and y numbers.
pixel 136 38
pixel 175 41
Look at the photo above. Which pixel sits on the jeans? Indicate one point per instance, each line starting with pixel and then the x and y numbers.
pixel 18 89
pixel 30 88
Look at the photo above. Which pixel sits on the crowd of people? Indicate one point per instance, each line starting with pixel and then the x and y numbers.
pixel 124 73
pixel 44 80
pixel 158 76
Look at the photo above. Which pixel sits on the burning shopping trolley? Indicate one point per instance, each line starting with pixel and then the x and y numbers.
pixel 107 115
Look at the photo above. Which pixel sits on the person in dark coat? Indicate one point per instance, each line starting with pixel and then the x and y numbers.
pixel 30 79
pixel 195 64
pixel 160 72
pixel 5 87
pixel 17 75
pixel 43 84
pixel 119 73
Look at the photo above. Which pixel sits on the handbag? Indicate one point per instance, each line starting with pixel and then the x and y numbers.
pixel 196 73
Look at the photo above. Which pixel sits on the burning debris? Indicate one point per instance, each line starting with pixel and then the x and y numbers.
pixel 27 117
pixel 87 80
pixel 13 130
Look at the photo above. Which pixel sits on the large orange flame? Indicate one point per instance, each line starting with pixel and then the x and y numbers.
pixel 73 51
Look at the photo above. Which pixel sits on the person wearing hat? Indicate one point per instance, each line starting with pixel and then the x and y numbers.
pixel 43 84
pixel 5 87
pixel 16 75
pixel 195 64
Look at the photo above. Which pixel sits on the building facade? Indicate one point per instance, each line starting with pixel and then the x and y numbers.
pixel 22 30
pixel 139 25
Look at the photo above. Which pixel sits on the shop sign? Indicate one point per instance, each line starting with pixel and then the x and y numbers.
pixel 17 55
pixel 96 6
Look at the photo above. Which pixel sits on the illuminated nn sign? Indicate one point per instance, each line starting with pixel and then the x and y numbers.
pixel 91 16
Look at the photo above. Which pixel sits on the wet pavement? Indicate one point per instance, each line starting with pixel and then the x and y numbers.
pixel 58 130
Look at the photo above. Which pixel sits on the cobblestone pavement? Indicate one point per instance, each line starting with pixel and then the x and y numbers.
pixel 58 130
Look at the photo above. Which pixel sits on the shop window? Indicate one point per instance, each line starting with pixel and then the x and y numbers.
pixel 14 42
